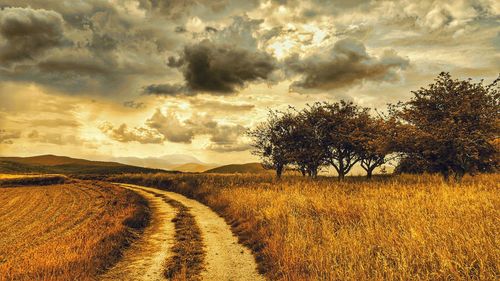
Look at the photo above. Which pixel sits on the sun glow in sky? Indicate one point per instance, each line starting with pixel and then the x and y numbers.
pixel 105 79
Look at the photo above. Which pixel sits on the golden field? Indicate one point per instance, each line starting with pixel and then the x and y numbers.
pixel 13 176
pixel 391 228
pixel 70 231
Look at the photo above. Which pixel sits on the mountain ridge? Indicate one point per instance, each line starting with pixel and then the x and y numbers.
pixel 251 168
pixel 50 163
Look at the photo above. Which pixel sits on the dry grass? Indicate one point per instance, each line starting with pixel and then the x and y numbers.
pixel 187 260
pixel 22 180
pixel 13 176
pixel 71 231
pixel 393 228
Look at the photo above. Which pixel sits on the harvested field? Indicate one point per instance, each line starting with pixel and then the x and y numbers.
pixel 71 231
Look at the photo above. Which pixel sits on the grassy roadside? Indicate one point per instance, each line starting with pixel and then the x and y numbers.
pixel 20 180
pixel 406 227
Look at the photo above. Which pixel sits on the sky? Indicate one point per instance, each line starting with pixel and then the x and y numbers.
pixel 103 79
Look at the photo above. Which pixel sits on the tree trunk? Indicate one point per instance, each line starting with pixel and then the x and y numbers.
pixel 341 170
pixel 369 173
pixel 303 171
pixel 446 175
pixel 458 176
pixel 279 171
pixel 313 171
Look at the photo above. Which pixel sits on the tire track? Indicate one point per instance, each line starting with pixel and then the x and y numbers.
pixel 225 258
pixel 145 259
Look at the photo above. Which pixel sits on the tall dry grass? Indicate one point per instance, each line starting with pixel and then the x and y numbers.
pixel 26 179
pixel 392 228
pixel 71 231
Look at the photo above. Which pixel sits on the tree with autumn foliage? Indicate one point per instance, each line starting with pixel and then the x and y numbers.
pixel 344 125
pixel 308 147
pixel 272 139
pixel 378 142
pixel 451 125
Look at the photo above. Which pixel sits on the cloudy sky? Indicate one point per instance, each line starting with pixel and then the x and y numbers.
pixel 145 78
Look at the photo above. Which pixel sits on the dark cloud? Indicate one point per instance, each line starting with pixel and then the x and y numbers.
pixel 90 47
pixel 221 65
pixel 167 90
pixel 173 62
pixel 102 43
pixel 222 69
pixel 76 64
pixel 99 48
pixel 271 33
pixel 239 33
pixel 210 29
pixel 133 104
pixel 27 33
pixel 76 14
pixel 347 63
pixel 180 29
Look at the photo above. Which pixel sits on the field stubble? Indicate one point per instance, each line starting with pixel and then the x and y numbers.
pixel 71 231
pixel 393 228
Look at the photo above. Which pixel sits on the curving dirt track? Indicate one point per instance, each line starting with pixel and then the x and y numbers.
pixel 144 260
pixel 225 258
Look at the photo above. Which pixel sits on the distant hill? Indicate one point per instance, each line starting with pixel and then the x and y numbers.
pixel 54 160
pixel 66 165
pixel 193 167
pixel 169 162
pixel 252 168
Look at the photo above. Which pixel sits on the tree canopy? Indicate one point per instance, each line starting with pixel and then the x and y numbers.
pixel 451 127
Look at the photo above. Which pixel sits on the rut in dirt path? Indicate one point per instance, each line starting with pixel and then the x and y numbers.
pixel 145 259
pixel 225 258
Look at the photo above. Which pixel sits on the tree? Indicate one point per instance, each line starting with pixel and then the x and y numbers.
pixel 451 125
pixel 412 165
pixel 378 135
pixel 271 140
pixel 308 152
pixel 342 134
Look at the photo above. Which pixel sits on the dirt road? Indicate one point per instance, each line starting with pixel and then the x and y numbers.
pixel 145 258
pixel 225 258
